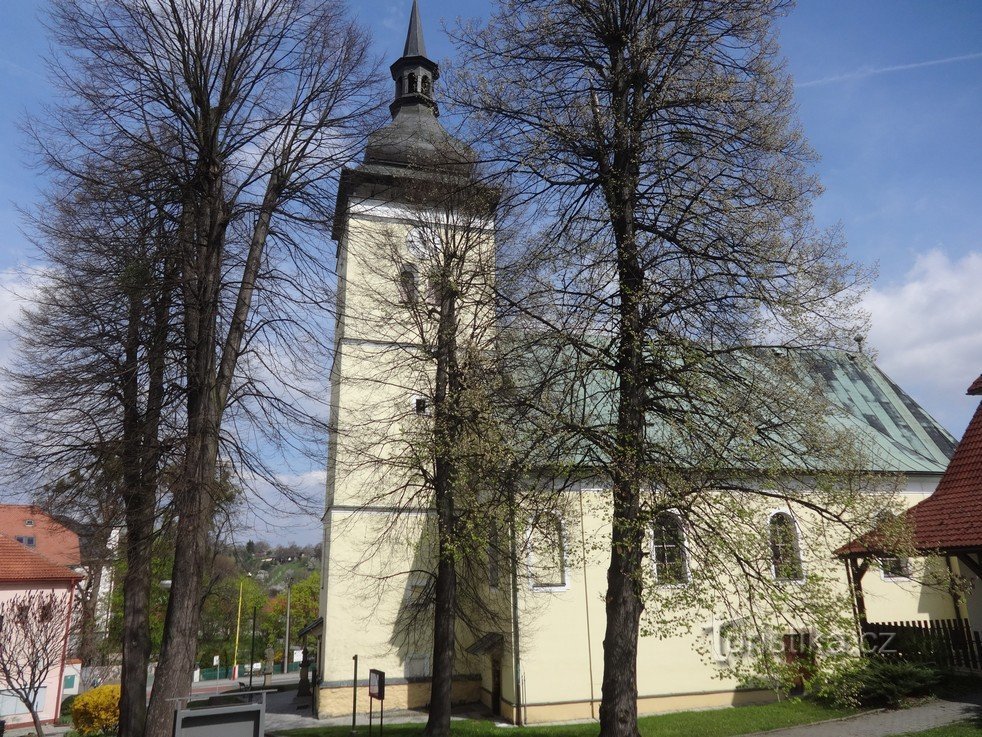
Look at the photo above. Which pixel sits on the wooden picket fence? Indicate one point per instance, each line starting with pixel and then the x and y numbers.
pixel 949 643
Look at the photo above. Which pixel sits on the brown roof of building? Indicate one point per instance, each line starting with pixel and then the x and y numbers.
pixel 951 518
pixel 51 539
pixel 19 563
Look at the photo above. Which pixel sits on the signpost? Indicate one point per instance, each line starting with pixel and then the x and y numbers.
pixel 376 690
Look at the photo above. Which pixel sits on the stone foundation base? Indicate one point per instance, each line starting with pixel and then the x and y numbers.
pixel 573 710
pixel 335 701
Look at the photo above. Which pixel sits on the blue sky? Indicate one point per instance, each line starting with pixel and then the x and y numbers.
pixel 889 94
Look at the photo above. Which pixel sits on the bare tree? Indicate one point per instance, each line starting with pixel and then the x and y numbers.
pixel 657 141
pixel 34 631
pixel 245 109
pixel 94 404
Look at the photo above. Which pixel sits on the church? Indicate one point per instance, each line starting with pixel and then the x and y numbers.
pixel 546 665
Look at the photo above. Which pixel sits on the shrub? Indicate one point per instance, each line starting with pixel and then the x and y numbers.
pixel 871 681
pixel 96 712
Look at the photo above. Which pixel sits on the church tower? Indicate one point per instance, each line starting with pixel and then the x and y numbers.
pixel 394 215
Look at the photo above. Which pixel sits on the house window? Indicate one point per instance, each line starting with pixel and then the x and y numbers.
pixel 547 556
pixel 668 550
pixel 28 523
pixel 27 540
pixel 893 566
pixel 421 406
pixel 69 683
pixel 785 548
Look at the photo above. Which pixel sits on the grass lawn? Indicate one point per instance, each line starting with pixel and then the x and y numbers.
pixel 715 723
pixel 970 728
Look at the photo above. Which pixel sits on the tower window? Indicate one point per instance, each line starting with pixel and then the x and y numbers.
pixel 408 288
pixel 421 405
pixel 412 83
pixel 425 85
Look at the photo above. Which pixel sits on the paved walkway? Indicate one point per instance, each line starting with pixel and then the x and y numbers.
pixel 895 722
pixel 284 711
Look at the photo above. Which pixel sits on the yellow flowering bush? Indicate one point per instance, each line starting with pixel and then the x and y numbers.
pixel 96 712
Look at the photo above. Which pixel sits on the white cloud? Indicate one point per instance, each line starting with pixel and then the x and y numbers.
pixel 928 332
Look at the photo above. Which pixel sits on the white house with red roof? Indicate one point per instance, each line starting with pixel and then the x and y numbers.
pixel 36 555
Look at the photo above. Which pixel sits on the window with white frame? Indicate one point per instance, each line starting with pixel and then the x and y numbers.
pixel 668 550
pixel 785 548
pixel 547 557
pixel 893 566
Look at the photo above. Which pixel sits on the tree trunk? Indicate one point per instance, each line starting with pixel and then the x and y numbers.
pixel 37 722
pixel 136 618
pixel 444 644
pixel 624 604
pixel 177 656
pixel 446 431
pixel 202 234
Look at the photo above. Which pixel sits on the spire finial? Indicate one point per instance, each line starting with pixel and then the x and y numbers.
pixel 414 73
pixel 415 46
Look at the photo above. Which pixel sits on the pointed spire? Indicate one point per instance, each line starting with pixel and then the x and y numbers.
pixel 414 73
pixel 415 46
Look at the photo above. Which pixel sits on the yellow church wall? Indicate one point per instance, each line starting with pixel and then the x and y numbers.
pixel 562 630
pixel 378 371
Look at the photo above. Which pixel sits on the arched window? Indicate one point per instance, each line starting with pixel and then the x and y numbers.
pixel 547 558
pixel 424 86
pixel 668 550
pixel 412 83
pixel 408 287
pixel 785 550
pixel 893 566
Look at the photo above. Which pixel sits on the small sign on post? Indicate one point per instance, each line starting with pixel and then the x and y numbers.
pixel 376 690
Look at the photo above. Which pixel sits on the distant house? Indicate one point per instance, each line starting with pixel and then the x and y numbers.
pixel 23 569
pixel 41 533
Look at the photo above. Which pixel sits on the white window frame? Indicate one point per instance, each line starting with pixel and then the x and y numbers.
pixel 904 561
pixel 530 559
pixel 770 547
pixel 685 553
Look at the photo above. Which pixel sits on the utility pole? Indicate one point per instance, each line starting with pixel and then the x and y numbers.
pixel 286 637
pixel 238 622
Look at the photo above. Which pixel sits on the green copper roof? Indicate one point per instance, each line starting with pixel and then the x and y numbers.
pixel 905 437
pixel 893 432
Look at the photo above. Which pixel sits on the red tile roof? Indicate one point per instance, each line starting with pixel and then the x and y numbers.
pixel 951 518
pixel 51 539
pixel 20 564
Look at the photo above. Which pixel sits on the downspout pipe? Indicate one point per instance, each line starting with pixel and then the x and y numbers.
pixel 515 634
